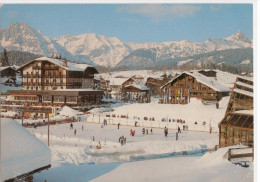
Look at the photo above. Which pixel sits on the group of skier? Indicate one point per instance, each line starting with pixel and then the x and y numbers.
pixel 122 140
pixel 147 131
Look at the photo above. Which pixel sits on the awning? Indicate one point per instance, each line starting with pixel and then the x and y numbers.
pixel 21 95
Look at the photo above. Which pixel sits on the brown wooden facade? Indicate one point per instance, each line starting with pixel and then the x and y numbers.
pixel 57 82
pixel 184 87
pixel 238 124
pixel 134 94
pixel 8 72
pixel 154 84
pixel 116 88
pixel 45 75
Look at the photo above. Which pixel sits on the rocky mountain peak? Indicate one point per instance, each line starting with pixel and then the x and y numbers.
pixel 239 36
pixel 110 51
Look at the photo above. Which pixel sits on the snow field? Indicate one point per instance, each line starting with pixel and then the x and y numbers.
pixel 194 111
pixel 68 148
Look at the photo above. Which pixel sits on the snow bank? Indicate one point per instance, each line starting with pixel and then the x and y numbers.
pixel 21 151
pixel 210 167
pixel 67 111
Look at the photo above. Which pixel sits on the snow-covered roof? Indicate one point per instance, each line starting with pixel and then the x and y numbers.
pixel 21 152
pixel 77 89
pixel 245 85
pixel 138 86
pixel 154 77
pixel 207 70
pixel 118 81
pixel 251 94
pixel 247 78
pixel 251 112
pixel 215 85
pixel 70 66
pixel 6 67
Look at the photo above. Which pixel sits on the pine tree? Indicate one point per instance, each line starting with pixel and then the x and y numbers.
pixel 4 59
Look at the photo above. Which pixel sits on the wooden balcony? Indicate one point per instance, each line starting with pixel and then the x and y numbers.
pixel 36 67
pixel 51 67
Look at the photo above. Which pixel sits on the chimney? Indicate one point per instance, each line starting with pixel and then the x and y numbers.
pixel 65 63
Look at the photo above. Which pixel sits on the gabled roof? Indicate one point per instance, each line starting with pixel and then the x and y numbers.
pixel 215 85
pixel 207 70
pixel 59 62
pixel 21 152
pixel 6 67
pixel 154 77
pixel 118 81
pixel 138 86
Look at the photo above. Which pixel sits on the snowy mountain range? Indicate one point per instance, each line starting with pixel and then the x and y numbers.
pixel 110 51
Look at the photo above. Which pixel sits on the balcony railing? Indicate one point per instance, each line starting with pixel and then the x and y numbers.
pixel 36 67
pixel 31 75
pixel 50 67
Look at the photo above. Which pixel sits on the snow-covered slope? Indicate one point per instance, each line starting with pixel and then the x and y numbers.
pixel 105 51
pixel 24 38
pixel 109 51
pixel 21 37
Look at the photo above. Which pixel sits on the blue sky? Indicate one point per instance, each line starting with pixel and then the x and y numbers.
pixel 135 23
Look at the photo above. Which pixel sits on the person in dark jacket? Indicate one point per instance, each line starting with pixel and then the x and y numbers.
pixel 179 129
